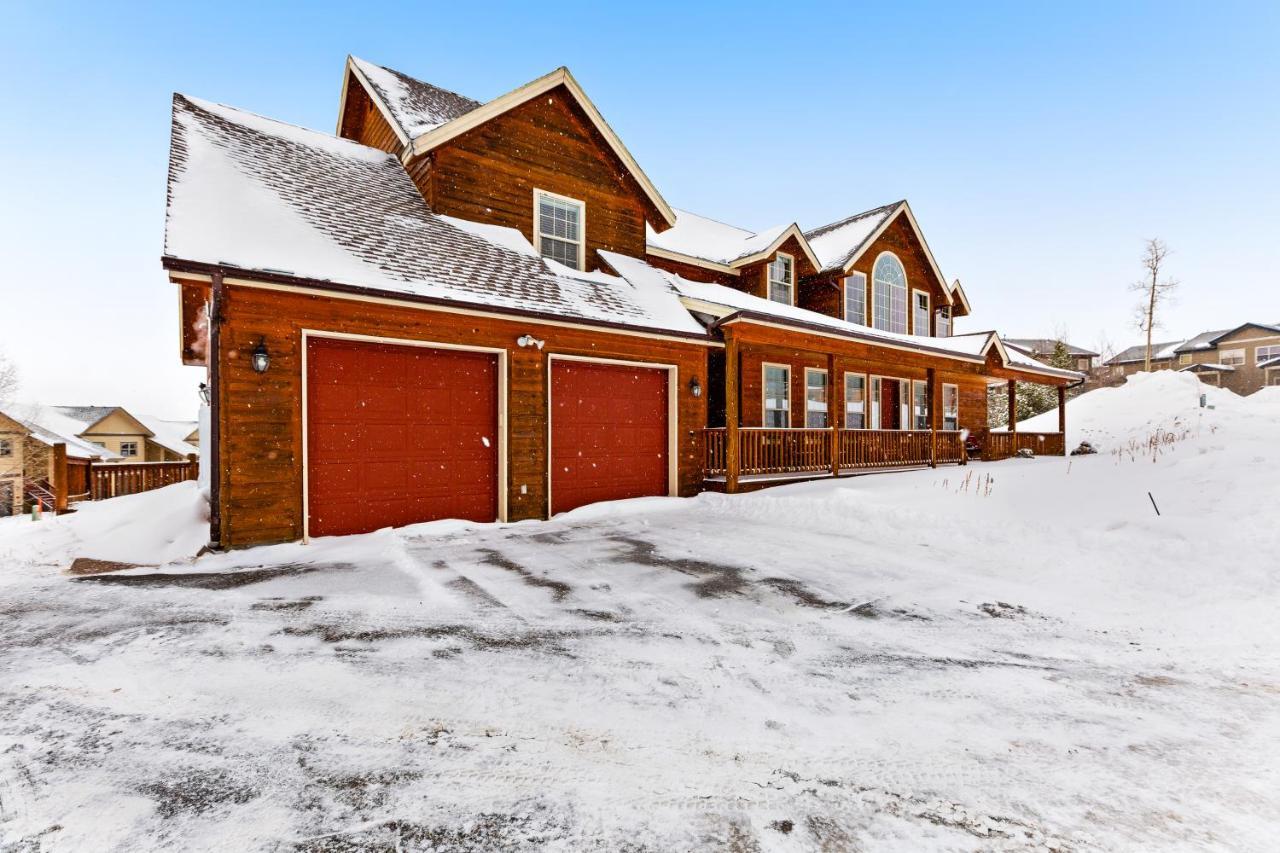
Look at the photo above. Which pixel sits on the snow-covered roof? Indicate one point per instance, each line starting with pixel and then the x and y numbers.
pixel 1159 352
pixel 837 243
pixel 170 435
pixel 721 301
pixel 1202 341
pixel 257 194
pixel 49 425
pixel 415 107
pixel 1046 346
pixel 1225 368
pixel 707 239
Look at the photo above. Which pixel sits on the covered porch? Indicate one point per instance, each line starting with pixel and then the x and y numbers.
pixel 815 405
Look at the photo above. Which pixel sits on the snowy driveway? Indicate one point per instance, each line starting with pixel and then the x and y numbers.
pixel 810 668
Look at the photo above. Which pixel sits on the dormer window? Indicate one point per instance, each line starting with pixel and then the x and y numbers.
pixel 559 225
pixel 921 312
pixel 944 321
pixel 782 273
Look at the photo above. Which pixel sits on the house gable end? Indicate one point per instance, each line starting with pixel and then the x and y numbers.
pixel 363 119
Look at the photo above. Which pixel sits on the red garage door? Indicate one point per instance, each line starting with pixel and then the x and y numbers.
pixel 608 433
pixel 398 435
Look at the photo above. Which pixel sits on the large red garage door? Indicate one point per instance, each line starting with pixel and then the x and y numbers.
pixel 608 433
pixel 398 435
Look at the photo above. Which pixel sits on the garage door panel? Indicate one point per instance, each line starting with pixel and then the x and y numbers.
pixel 384 450
pixel 608 432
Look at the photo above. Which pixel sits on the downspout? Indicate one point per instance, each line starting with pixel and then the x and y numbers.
pixel 218 296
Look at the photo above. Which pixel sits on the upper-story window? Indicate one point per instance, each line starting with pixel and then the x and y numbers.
pixel 1184 358
pixel 559 228
pixel 782 279
pixel 128 448
pixel 1231 357
pixel 944 321
pixel 1266 354
pixel 6 447
pixel 920 312
pixel 855 298
pixel 889 308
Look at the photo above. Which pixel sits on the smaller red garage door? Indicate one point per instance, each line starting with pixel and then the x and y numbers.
pixel 608 433
pixel 399 434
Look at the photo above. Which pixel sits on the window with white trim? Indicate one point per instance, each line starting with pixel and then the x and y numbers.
pixel 559 228
pixel 855 401
pixel 1265 354
pixel 920 318
pixel 6 447
pixel 951 407
pixel 904 404
pixel 944 321
pixel 920 404
pixel 855 298
pixel 1184 358
pixel 1231 356
pixel 815 398
pixel 128 448
pixel 782 273
pixel 777 396
pixel 889 303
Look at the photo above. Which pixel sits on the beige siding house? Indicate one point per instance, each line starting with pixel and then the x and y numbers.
pixel 1243 359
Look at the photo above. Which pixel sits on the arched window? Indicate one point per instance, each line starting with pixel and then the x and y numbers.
pixel 889 311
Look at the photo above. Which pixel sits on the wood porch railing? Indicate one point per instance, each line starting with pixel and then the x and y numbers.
pixel 113 481
pixel 799 451
pixel 1004 445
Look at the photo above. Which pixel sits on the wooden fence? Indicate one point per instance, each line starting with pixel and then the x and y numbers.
pixel 800 451
pixel 1004 445
pixel 113 481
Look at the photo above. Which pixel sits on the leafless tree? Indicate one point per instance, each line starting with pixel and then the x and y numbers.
pixel 8 378
pixel 1156 291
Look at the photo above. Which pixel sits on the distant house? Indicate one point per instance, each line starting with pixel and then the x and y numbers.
pixel 1042 350
pixel 28 434
pixel 127 437
pixel 1243 359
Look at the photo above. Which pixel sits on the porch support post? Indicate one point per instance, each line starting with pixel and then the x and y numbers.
pixel 1062 413
pixel 1013 406
pixel 835 405
pixel 732 377
pixel 931 414
pixel 60 478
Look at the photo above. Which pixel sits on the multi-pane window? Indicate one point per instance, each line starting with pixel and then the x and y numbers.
pixel 920 405
pixel 6 447
pixel 559 229
pixel 815 398
pixel 777 396
pixel 1184 358
pixel 889 308
pixel 128 448
pixel 1231 356
pixel 944 321
pixel 904 403
pixel 920 317
pixel 855 298
pixel 1266 354
pixel 855 401
pixel 782 279
pixel 950 407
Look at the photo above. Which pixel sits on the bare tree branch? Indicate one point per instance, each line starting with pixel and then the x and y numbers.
pixel 8 378
pixel 1155 291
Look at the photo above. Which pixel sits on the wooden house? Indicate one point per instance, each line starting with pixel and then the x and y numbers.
pixel 457 309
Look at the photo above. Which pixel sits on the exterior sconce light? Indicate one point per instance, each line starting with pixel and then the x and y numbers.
pixel 204 393
pixel 530 341
pixel 695 387
pixel 260 358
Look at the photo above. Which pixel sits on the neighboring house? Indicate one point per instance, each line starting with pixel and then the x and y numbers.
pixel 127 437
pixel 1043 349
pixel 455 309
pixel 1242 359
pixel 28 434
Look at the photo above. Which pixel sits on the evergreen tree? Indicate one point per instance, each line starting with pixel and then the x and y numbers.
pixel 1033 398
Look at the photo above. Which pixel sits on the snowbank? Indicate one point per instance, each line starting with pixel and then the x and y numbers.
pixel 156 527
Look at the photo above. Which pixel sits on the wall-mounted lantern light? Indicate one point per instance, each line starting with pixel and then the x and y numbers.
pixel 530 341
pixel 260 358
pixel 695 387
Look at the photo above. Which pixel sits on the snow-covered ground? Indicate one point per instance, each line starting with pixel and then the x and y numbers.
pixel 1018 655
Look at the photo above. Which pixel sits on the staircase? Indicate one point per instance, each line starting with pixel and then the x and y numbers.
pixel 38 490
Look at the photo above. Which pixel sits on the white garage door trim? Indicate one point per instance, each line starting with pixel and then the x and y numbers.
pixel 307 334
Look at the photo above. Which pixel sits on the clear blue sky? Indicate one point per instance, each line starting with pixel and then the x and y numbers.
pixel 1039 144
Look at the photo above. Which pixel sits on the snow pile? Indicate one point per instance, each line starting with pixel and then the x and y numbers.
pixel 156 527
pixel 1147 403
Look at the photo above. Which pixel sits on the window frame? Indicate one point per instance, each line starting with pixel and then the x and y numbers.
pixel 826 394
pixel 6 448
pixel 947 413
pixel 928 312
pixel 893 290
pixel 769 280
pixel 582 225
pixel 866 409
pixel 125 452
pixel 1242 353
pixel 764 395
pixel 904 402
pixel 1272 350
pixel 944 311
pixel 858 275
pixel 1184 358
pixel 919 414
